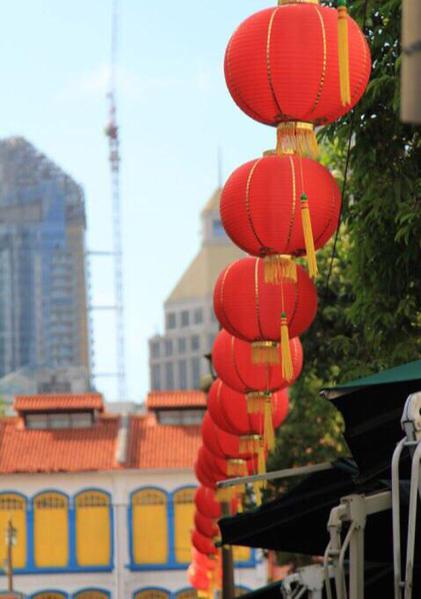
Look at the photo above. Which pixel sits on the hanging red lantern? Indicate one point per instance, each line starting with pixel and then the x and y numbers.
pixel 206 526
pixel 210 564
pixel 232 360
pixel 225 445
pixel 198 578
pixel 225 468
pixel 204 475
pixel 206 502
pixel 208 459
pixel 260 413
pixel 203 544
pixel 264 313
pixel 283 204
pixel 295 66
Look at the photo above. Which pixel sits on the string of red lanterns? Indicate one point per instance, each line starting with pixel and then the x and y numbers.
pixel 295 67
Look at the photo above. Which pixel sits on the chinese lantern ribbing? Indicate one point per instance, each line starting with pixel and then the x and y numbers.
pixel 262 313
pixel 278 205
pixel 232 360
pixel 287 66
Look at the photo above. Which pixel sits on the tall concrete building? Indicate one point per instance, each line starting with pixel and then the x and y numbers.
pixel 43 295
pixel 176 358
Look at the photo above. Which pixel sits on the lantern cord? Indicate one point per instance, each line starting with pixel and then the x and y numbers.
pixel 346 170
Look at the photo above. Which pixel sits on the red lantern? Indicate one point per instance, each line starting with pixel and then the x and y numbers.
pixel 233 362
pixel 203 544
pixel 281 205
pixel 229 467
pixel 258 413
pixel 206 526
pixel 208 459
pixel 204 562
pixel 198 578
pixel 206 477
pixel 257 312
pixel 282 67
pixel 225 445
pixel 206 503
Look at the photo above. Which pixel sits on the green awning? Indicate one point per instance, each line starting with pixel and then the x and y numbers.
pixel 411 371
pixel 372 408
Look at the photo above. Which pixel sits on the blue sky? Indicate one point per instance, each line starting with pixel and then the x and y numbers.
pixel 174 112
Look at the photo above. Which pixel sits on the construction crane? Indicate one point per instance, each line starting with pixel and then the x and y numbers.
pixel 112 134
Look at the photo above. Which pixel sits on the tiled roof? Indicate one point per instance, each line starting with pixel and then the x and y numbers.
pixel 59 450
pixel 175 399
pixel 153 445
pixel 58 401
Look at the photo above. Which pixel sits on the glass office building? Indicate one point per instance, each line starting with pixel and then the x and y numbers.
pixel 43 296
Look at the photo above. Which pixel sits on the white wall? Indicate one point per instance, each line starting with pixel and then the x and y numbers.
pixel 122 583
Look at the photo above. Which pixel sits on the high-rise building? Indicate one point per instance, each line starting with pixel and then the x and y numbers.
pixel 176 358
pixel 43 296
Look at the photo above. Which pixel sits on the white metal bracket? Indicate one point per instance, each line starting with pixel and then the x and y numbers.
pixel 411 425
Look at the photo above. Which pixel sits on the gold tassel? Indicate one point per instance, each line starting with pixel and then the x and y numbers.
pixel 236 468
pixel 202 594
pixel 257 493
pixel 261 461
pixel 278 267
pixel 287 370
pixel 249 444
pixel 343 53
pixel 255 402
pixel 224 495
pixel 297 137
pixel 239 494
pixel 269 433
pixel 265 352
pixel 308 236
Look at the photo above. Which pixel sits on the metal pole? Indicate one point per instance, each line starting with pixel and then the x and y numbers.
pixel 356 560
pixel 411 61
pixel 277 474
pixel 10 532
pixel 228 586
pixel 397 556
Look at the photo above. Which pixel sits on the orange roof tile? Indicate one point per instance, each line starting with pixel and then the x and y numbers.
pixel 58 450
pixel 176 399
pixel 153 445
pixel 58 401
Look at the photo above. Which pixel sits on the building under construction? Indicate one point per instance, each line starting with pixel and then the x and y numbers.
pixel 43 295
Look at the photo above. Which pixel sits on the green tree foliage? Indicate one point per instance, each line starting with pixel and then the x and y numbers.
pixel 382 209
pixel 369 314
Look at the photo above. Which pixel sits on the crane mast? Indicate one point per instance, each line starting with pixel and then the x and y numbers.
pixel 112 134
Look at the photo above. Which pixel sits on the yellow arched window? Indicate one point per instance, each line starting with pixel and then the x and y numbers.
pixel 187 594
pixel 152 594
pixel 91 594
pixel 241 554
pixel 13 510
pixel 93 530
pixel 183 502
pixel 49 595
pixel 51 531
pixel 149 521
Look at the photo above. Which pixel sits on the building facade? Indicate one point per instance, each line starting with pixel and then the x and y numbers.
pixel 176 358
pixel 43 296
pixel 102 505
